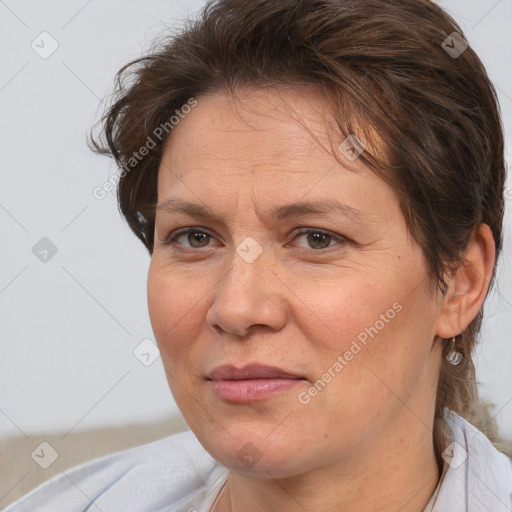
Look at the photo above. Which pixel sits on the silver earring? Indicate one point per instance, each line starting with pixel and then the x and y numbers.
pixel 454 356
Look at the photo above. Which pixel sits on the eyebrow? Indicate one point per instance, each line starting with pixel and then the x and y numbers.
pixel 278 213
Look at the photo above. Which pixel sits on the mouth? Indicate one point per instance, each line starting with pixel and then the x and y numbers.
pixel 251 383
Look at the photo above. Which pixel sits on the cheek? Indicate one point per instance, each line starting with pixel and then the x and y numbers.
pixel 378 318
pixel 334 311
pixel 161 301
pixel 173 308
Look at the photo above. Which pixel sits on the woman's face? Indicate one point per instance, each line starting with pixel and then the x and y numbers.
pixel 295 321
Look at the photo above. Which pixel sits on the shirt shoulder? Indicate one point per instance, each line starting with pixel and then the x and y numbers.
pixel 165 475
pixel 479 477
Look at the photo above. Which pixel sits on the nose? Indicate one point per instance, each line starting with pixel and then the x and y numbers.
pixel 248 296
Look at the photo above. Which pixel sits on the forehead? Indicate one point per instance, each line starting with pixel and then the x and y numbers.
pixel 267 141
pixel 283 121
pixel 249 108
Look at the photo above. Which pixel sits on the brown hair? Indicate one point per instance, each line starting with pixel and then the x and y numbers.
pixel 386 67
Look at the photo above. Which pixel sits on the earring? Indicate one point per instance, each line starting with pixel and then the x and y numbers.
pixel 454 356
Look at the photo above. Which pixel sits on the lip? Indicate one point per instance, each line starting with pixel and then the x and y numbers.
pixel 249 372
pixel 251 383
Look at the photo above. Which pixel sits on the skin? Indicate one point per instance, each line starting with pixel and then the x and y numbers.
pixel 364 443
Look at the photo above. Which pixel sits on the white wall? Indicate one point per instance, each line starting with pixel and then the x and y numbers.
pixel 68 327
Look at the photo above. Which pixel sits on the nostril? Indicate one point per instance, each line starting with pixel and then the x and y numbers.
pixel 235 333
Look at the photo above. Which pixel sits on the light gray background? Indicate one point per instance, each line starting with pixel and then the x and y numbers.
pixel 69 326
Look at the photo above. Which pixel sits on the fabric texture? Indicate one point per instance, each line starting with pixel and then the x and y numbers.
pixel 479 477
pixel 176 474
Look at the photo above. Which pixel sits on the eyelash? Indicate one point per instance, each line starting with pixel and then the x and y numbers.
pixel 301 231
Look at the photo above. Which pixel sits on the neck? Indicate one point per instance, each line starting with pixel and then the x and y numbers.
pixel 396 472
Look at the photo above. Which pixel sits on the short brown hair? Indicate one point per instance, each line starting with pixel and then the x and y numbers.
pixel 386 67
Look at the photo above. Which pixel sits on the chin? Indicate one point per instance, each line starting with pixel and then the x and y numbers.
pixel 247 449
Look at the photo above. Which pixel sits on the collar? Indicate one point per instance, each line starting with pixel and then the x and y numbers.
pixel 478 478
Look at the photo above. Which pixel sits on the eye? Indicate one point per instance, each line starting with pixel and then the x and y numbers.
pixel 317 238
pixel 194 237
pixel 197 238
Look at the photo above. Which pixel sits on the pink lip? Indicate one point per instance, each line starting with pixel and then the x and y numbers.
pixel 251 383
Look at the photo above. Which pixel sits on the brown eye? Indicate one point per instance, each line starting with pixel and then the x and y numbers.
pixel 195 238
pixel 318 239
pixel 198 238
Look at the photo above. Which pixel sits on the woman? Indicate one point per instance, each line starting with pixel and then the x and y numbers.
pixel 320 186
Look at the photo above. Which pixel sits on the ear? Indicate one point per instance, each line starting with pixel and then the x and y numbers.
pixel 468 287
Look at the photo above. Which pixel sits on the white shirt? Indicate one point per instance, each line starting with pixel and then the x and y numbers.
pixel 176 474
